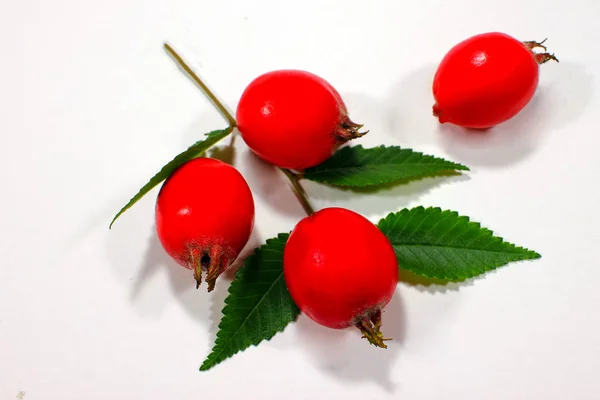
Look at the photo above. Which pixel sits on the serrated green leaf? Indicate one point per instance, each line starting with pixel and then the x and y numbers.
pixel 359 167
pixel 444 245
pixel 191 152
pixel 258 305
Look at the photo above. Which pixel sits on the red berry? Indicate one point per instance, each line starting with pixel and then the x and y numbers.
pixel 341 271
pixel 204 216
pixel 293 119
pixel 486 80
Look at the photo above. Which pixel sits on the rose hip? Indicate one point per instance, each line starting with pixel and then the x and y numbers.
pixel 204 217
pixel 293 119
pixel 341 271
pixel 486 80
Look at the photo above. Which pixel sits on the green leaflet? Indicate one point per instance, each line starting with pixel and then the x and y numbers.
pixel 193 151
pixel 258 305
pixel 359 167
pixel 443 245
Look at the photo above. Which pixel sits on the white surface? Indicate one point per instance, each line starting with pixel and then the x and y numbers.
pixel 91 107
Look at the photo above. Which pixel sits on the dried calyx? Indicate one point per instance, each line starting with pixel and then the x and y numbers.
pixel 540 58
pixel 370 328
pixel 348 130
pixel 212 262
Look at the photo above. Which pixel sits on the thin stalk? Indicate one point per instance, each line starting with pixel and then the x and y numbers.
pixel 299 191
pixel 293 178
pixel 226 114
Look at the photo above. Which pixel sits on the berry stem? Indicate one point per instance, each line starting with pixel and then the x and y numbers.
pixel 226 114
pixel 299 191
pixel 294 178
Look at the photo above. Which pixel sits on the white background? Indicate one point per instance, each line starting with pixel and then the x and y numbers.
pixel 91 107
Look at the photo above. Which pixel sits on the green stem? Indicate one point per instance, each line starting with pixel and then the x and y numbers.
pixel 293 178
pixel 299 191
pixel 226 114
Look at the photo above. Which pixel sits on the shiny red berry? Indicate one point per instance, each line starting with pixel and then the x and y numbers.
pixel 341 271
pixel 293 119
pixel 204 216
pixel 486 80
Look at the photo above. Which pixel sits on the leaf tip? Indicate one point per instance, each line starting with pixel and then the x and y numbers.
pixel 113 222
pixel 205 366
pixel 118 215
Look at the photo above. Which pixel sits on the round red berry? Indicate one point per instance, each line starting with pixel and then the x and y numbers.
pixel 204 216
pixel 486 80
pixel 293 119
pixel 341 271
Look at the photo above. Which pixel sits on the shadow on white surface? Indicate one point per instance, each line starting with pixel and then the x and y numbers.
pixel 344 355
pixel 226 153
pixel 99 216
pixel 270 185
pixel 154 260
pixel 194 301
pixel 565 90
pixel 149 301
pixel 146 266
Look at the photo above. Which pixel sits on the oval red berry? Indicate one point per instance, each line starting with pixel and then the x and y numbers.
pixel 339 268
pixel 293 119
pixel 485 80
pixel 204 216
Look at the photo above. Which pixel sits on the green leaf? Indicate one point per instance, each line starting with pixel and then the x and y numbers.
pixel 359 167
pixel 193 151
pixel 258 305
pixel 444 245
